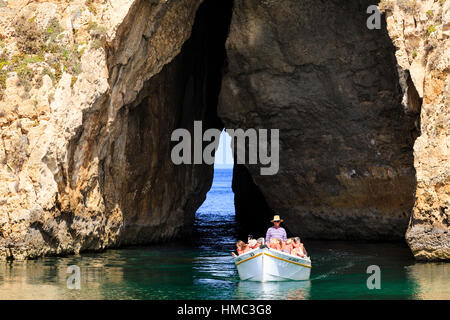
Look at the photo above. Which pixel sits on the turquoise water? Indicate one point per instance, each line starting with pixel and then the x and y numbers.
pixel 203 268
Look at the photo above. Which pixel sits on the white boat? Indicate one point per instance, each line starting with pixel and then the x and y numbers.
pixel 272 265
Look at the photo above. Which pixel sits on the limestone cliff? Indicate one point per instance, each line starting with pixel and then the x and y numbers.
pixel 421 32
pixel 90 93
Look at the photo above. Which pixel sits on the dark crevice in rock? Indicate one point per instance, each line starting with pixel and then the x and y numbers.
pixel 253 214
pixel 414 104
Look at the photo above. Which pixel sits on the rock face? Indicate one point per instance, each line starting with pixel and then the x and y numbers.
pixel 421 32
pixel 316 72
pixel 348 113
pixel 91 93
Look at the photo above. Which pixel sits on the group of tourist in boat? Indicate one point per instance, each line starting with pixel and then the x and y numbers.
pixel 275 239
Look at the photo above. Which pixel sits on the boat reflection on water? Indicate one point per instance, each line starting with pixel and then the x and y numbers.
pixel 275 290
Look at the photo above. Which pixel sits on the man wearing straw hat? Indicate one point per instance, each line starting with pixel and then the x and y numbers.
pixel 276 231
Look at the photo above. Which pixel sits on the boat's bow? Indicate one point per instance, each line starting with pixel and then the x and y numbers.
pixel 272 265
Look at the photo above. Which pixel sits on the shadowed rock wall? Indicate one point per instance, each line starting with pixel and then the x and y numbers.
pixel 420 31
pixel 315 71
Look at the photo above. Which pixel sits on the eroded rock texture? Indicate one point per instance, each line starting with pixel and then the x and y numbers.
pixel 315 71
pixel 86 118
pixel 421 32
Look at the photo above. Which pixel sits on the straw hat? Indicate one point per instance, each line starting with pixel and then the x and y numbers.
pixel 276 218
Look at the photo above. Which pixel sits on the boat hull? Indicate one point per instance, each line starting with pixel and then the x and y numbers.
pixel 272 265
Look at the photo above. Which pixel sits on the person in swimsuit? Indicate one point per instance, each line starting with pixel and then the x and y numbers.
pixel 241 248
pixel 275 244
pixel 299 248
pixel 280 244
pixel 253 244
pixel 287 246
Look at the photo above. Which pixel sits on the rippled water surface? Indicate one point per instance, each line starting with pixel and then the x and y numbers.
pixel 204 269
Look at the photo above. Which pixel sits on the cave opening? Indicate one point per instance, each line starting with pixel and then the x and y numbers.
pixel 210 212
pixel 186 90
pixel 215 223
pixel 234 207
